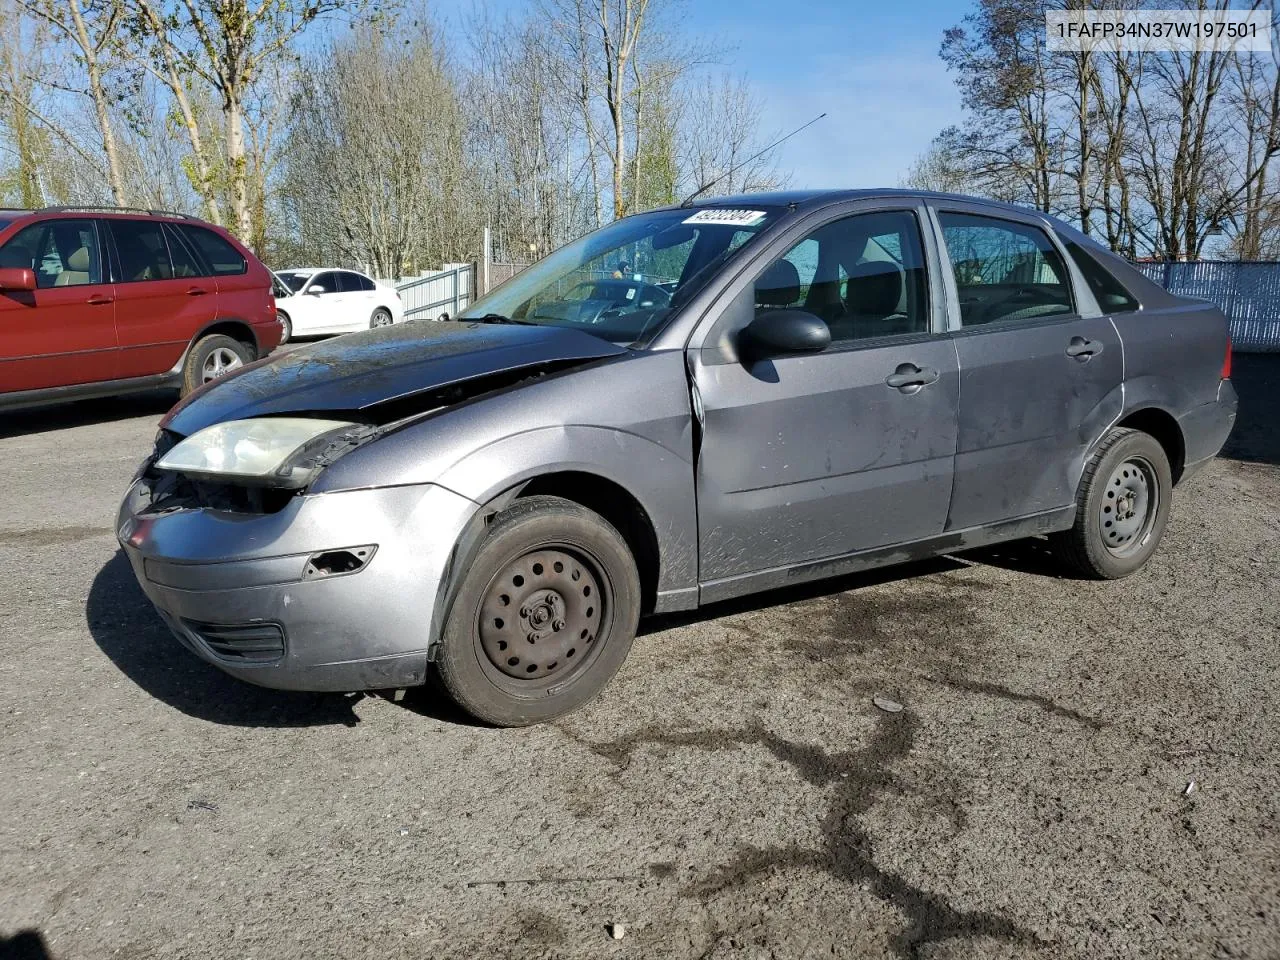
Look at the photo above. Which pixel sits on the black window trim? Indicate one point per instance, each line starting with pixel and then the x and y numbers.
pixel 1074 281
pixel 174 235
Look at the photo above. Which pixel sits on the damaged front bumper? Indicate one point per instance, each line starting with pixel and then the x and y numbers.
pixel 333 592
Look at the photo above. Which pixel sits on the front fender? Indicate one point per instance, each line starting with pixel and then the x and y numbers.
pixel 660 480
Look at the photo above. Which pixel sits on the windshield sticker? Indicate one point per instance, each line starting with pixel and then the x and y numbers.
pixel 731 218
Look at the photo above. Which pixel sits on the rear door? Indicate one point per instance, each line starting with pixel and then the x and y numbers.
pixel 1038 382
pixel 64 332
pixel 162 301
pixel 357 300
pixel 324 298
pixel 811 456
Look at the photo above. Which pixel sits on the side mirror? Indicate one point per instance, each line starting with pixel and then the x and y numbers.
pixel 776 332
pixel 315 290
pixel 17 278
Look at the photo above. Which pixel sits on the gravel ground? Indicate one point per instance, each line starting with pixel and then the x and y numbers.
pixel 733 794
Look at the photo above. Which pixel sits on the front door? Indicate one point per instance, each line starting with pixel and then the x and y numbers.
pixel 1038 382
pixel 807 457
pixel 64 332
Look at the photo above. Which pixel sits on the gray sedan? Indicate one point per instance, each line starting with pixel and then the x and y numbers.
pixel 687 405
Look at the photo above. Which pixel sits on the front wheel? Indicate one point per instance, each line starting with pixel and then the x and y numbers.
pixel 212 357
pixel 544 617
pixel 1122 507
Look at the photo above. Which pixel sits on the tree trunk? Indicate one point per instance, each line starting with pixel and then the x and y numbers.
pixel 98 94
pixel 233 114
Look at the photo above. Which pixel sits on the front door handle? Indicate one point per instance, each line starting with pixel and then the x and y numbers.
pixel 909 378
pixel 1082 349
pixel 98 299
pixel 196 291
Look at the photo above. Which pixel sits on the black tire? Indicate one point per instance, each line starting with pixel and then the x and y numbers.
pixel 381 318
pixel 492 665
pixel 1118 526
pixel 286 327
pixel 201 358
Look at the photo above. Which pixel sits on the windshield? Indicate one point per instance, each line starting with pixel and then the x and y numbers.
pixel 621 282
pixel 292 280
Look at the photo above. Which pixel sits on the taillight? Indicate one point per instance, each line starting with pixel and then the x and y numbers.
pixel 1226 362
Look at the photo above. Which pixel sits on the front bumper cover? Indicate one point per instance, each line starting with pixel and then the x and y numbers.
pixel 366 629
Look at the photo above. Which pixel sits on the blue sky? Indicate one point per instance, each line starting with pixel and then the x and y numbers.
pixel 872 66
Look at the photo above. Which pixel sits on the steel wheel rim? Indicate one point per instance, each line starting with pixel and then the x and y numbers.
pixel 382 319
pixel 1129 506
pixel 543 618
pixel 219 362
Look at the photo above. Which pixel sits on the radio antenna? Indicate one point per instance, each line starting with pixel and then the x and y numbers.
pixel 730 172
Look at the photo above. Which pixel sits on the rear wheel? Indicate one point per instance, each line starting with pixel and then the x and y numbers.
pixel 381 318
pixel 544 617
pixel 212 357
pixel 1122 507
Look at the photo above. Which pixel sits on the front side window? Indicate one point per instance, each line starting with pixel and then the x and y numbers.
pixel 624 281
pixel 63 253
pixel 293 280
pixel 224 259
pixel 1004 271
pixel 864 275
pixel 1110 293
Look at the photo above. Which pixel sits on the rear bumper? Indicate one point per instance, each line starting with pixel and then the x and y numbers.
pixel 1205 429
pixel 214 576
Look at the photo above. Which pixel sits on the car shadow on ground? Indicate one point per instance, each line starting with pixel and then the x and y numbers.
pixel 127 629
pixel 1256 437
pixel 83 413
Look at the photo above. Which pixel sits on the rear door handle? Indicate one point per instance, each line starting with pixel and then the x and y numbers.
pixel 1082 349
pixel 909 378
pixel 196 291
pixel 98 299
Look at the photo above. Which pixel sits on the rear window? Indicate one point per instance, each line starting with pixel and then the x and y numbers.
pixel 223 259
pixel 1110 293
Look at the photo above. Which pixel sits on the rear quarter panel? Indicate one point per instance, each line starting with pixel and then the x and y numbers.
pixel 1173 356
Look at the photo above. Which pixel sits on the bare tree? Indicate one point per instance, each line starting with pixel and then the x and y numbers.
pixel 227 44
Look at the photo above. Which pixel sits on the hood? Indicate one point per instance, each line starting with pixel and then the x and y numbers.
pixel 362 370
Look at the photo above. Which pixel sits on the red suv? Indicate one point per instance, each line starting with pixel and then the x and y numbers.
pixel 94 302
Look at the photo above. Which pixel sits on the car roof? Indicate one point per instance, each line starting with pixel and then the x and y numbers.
pixel 308 271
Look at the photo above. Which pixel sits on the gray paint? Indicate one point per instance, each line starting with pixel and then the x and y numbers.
pixel 752 475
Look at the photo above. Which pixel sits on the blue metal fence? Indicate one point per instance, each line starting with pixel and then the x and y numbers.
pixel 1248 292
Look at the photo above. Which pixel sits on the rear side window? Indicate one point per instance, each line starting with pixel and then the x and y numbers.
pixel 63 253
pixel 365 283
pixel 349 282
pixel 223 259
pixel 142 250
pixel 1004 271
pixel 1110 293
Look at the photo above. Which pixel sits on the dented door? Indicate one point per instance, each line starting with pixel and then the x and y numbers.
pixel 810 457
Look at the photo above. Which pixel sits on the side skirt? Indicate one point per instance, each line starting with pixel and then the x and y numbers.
pixel 1040 523
pixel 88 391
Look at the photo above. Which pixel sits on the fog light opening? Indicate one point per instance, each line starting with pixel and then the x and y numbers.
pixel 337 563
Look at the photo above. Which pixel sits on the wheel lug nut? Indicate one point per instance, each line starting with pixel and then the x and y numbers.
pixel 524 611
pixel 557 624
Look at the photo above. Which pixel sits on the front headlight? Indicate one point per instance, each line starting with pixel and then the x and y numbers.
pixel 272 451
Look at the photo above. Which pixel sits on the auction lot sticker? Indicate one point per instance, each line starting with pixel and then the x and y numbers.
pixel 729 218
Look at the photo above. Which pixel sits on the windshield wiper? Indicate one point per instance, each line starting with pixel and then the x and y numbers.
pixel 498 318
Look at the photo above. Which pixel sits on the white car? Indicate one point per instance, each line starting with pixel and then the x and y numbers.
pixel 321 301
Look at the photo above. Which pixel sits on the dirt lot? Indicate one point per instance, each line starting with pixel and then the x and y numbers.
pixel 734 793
